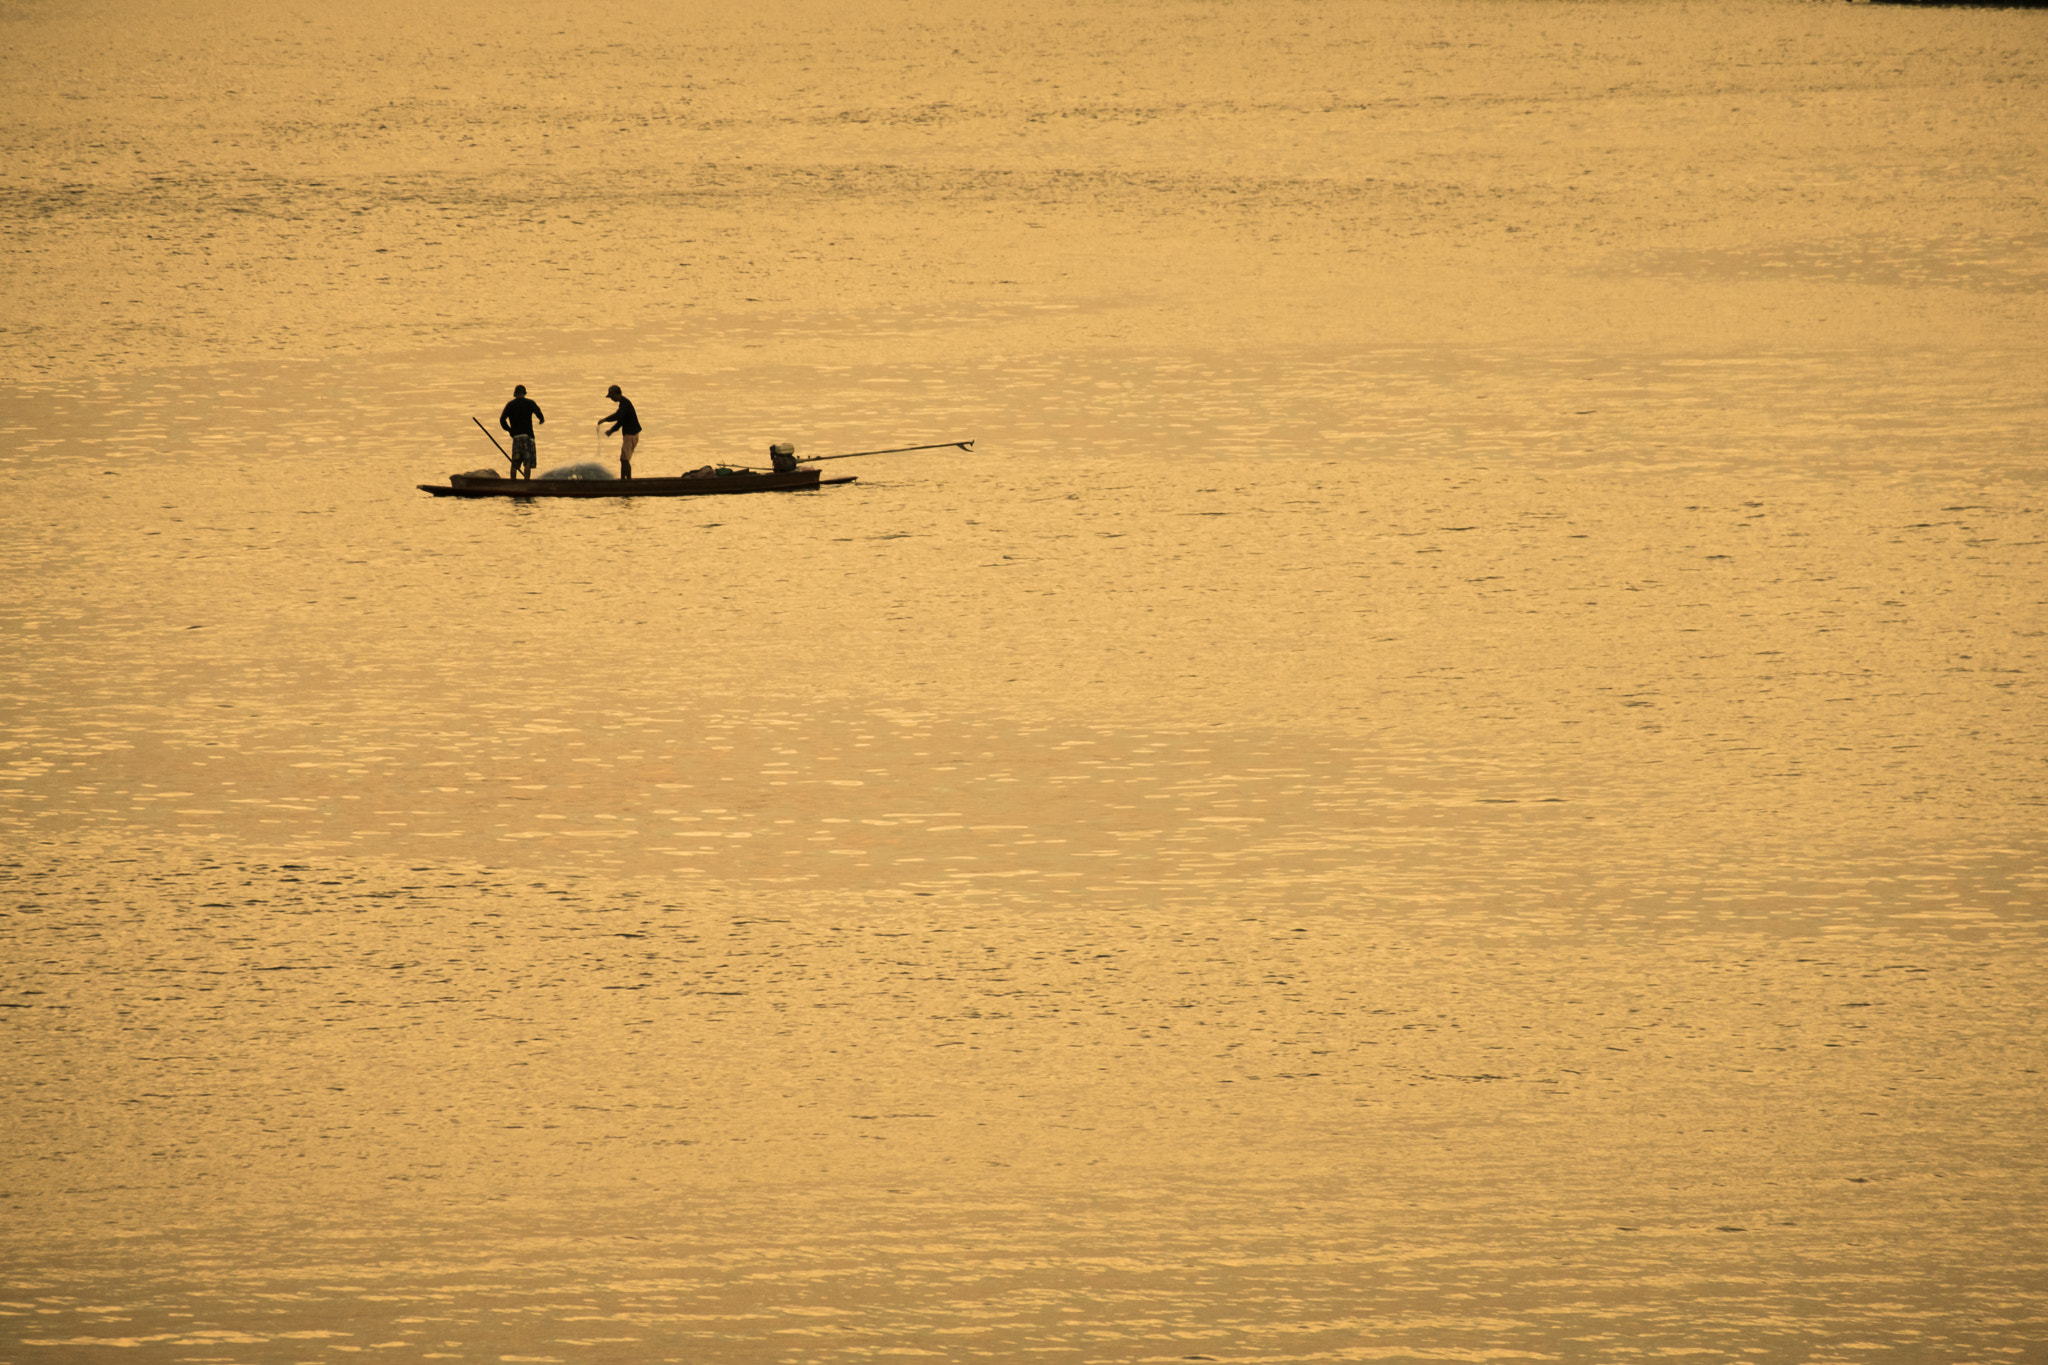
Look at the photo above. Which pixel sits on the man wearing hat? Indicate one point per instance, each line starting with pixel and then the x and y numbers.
pixel 624 420
pixel 518 418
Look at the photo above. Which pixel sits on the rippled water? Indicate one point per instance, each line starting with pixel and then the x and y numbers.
pixel 1456 777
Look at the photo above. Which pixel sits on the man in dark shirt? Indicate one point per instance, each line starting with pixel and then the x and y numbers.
pixel 624 420
pixel 518 418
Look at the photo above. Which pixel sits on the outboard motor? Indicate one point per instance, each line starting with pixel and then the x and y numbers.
pixel 783 456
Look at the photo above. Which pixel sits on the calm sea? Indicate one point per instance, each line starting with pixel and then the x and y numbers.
pixel 1457 775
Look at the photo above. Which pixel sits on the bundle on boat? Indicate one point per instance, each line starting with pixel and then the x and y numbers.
pixel 567 471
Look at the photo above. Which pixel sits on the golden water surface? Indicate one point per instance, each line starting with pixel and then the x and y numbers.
pixel 1457 776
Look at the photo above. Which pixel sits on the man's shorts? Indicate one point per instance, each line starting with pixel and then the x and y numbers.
pixel 523 454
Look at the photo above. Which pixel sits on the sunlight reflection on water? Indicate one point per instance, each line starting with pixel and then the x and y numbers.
pixel 1456 777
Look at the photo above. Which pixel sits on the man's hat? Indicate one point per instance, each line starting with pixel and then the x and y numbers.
pixel 613 392
pixel 519 390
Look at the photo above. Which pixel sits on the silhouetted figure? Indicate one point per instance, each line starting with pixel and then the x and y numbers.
pixel 518 418
pixel 624 420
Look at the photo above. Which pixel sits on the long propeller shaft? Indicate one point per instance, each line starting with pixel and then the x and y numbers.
pixel 896 450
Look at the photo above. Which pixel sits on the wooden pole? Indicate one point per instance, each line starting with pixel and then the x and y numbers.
pixel 501 450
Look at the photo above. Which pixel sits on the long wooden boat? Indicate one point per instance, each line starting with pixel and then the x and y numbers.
pixel 479 486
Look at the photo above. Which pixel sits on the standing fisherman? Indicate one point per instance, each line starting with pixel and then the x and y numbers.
pixel 518 418
pixel 624 420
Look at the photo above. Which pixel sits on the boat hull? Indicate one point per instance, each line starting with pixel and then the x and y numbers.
pixel 470 486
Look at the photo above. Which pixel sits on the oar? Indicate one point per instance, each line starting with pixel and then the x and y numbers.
pixel 501 450
pixel 897 450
